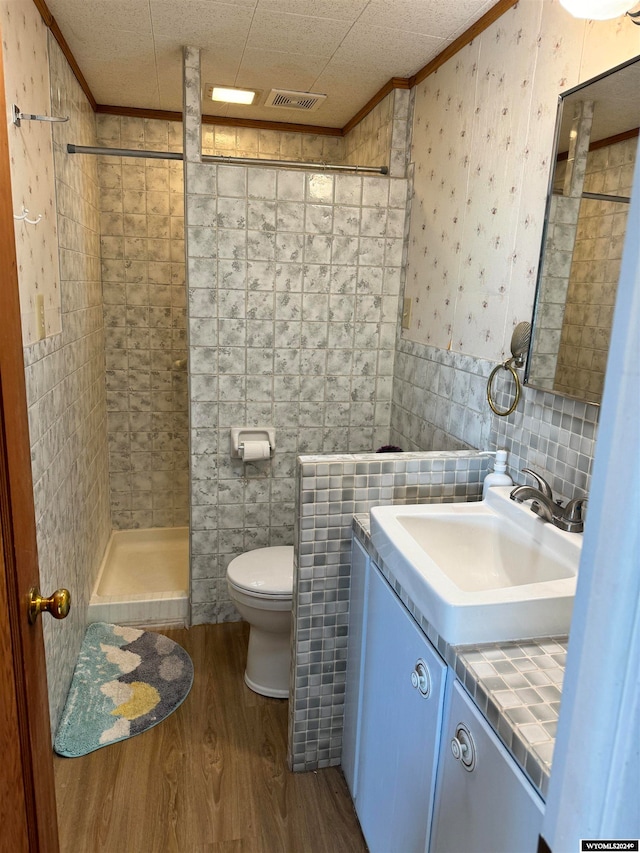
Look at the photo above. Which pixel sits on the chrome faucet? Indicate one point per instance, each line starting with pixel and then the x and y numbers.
pixel 569 517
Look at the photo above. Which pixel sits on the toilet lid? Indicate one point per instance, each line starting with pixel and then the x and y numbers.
pixel 265 571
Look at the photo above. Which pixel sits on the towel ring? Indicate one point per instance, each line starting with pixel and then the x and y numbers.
pixel 507 365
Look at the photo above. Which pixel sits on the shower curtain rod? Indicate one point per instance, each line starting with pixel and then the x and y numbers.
pixel 208 158
pixel 621 199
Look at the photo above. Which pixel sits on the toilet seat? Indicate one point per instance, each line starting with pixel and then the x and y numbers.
pixel 264 573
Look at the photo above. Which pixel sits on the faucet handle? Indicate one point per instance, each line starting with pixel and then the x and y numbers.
pixel 544 487
pixel 573 510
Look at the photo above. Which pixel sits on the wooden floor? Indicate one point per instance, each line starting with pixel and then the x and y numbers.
pixel 211 777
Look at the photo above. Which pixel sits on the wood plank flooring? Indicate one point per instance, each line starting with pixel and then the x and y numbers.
pixel 211 777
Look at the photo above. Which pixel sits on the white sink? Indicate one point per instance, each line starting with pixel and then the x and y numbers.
pixel 481 572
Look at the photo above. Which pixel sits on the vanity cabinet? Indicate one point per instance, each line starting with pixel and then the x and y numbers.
pixel 484 802
pixel 426 772
pixel 401 697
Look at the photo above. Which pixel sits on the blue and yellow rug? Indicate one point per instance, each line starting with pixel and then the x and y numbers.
pixel 125 681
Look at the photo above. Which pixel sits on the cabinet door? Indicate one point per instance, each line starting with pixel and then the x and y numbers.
pixel 353 698
pixel 491 808
pixel 400 726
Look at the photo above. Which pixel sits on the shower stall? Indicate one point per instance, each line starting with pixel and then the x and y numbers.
pixel 143 577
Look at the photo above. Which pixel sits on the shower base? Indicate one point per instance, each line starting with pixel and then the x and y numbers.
pixel 143 579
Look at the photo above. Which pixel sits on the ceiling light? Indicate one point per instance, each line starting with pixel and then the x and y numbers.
pixel 597 10
pixel 232 95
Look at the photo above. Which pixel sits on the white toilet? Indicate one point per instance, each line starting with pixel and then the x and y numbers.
pixel 261 587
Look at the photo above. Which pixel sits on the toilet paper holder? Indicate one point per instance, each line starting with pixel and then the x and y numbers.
pixel 239 435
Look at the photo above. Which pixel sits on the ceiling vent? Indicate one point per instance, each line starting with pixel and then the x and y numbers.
pixel 287 100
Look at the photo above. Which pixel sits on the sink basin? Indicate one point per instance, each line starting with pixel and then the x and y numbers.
pixel 481 572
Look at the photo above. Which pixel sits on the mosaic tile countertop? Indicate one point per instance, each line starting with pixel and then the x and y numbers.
pixel 516 685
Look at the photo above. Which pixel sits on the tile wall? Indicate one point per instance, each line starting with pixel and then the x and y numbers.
pixel 559 240
pixel 382 138
pixel 272 144
pixel 66 396
pixel 440 402
pixel 293 301
pixel 330 490
pixel 439 399
pixel 588 315
pixel 553 435
pixel 142 251
pixel 293 281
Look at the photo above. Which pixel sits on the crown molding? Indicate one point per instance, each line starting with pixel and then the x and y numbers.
pixel 56 32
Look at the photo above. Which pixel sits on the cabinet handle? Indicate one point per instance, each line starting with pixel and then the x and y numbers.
pixel 420 678
pixel 463 748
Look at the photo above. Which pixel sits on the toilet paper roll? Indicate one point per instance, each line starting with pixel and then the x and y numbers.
pixel 251 451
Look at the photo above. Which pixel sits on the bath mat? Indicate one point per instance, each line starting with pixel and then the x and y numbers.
pixel 125 682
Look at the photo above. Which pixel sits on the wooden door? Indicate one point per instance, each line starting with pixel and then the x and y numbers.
pixel 28 807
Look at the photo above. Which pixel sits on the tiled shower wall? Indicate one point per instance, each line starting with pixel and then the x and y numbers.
pixel 595 271
pixel 66 396
pixel 559 241
pixel 293 306
pixel 293 283
pixel 142 230
pixel 142 249
pixel 382 137
pixel 272 144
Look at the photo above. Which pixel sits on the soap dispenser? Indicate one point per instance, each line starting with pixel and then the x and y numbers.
pixel 499 476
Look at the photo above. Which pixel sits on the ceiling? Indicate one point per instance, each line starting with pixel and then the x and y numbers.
pixel 130 50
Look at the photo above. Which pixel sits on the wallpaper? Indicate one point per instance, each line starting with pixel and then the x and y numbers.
pixel 482 140
pixel 24 47
pixel 64 376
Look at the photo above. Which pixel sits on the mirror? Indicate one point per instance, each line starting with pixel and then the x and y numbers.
pixel 585 222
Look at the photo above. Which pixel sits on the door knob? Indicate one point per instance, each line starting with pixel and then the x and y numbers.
pixel 420 678
pixel 57 604
pixel 463 748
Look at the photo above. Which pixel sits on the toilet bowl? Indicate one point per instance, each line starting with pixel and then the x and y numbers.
pixel 261 587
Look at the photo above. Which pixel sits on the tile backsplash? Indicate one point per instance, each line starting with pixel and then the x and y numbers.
pixel 439 399
pixel 553 435
pixel 440 403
